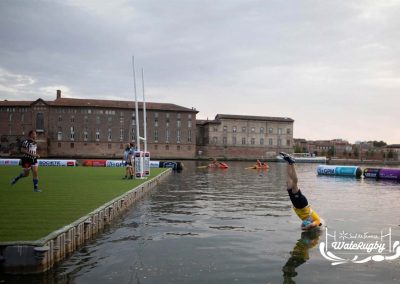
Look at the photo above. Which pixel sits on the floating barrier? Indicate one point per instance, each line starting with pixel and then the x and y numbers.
pixel 353 171
pixel 176 166
pixel 382 173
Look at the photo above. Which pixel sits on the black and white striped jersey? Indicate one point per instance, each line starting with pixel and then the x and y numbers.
pixel 30 146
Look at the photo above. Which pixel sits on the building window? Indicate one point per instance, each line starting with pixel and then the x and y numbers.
pixel 178 136
pixel 178 122
pixel 178 147
pixel 225 128
pixel 243 129
pixel 110 119
pixel 288 142
pixel 189 135
pixel 85 134
pixel 189 124
pixel 156 114
pixel 262 130
pixel 253 141
pixel 279 142
pixel 234 129
pixel 224 140
pixel 133 134
pixel 215 128
pixel 288 130
pixel 121 134
pixel 59 135
pixel 178 116
pixel 98 119
pixel 253 129
pixel 243 141
pixel 155 122
pixel 109 136
pixel 215 140
pixel 261 141
pixel 155 135
pixel 234 140
pixel 133 119
pixel 270 130
pixel 59 145
pixel 59 118
pixel 109 146
pixel 72 119
pixel 156 147
pixel 72 133
pixel 279 131
pixel 72 145
pixel 167 135
pixel 189 116
pixel 86 119
pixel 270 142
pixel 167 147
pixel 97 134
pixel 121 119
pixel 40 121
pixel 167 120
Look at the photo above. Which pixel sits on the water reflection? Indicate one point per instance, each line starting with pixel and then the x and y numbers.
pixel 300 254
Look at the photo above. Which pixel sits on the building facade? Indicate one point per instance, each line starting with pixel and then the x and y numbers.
pixel 243 137
pixel 85 128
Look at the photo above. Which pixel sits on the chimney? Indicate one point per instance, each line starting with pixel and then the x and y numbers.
pixel 58 94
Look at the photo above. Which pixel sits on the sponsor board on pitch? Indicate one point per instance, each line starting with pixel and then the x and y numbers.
pixel 57 163
pixel 115 163
pixel 9 162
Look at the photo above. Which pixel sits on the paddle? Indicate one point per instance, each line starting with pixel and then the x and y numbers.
pixel 202 167
pixel 250 168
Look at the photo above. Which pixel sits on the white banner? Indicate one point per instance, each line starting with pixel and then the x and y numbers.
pixel 57 163
pixel 154 164
pixel 115 163
pixel 9 162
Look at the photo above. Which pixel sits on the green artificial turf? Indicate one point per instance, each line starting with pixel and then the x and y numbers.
pixel 68 193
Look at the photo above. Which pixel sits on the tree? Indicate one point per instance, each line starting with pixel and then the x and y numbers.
pixel 378 144
pixel 331 151
pixel 297 149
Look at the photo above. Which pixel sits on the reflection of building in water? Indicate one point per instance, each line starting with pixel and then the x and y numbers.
pixel 300 253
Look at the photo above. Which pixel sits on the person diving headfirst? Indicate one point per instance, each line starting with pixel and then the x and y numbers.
pixel 309 217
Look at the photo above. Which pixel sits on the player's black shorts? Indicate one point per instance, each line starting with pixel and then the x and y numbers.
pixel 27 163
pixel 299 201
pixel 128 163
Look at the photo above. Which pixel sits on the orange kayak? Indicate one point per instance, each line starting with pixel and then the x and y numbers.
pixel 220 166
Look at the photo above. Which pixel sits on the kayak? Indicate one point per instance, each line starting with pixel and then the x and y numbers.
pixel 263 167
pixel 219 166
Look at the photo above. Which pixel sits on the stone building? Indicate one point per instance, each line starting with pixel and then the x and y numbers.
pixel 243 136
pixel 86 128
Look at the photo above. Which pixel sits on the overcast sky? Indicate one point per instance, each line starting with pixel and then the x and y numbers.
pixel 332 66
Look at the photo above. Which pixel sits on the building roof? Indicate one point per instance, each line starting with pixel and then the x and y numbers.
pixel 70 102
pixel 7 103
pixel 252 117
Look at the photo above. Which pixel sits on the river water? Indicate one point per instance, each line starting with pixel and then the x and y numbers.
pixel 237 226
